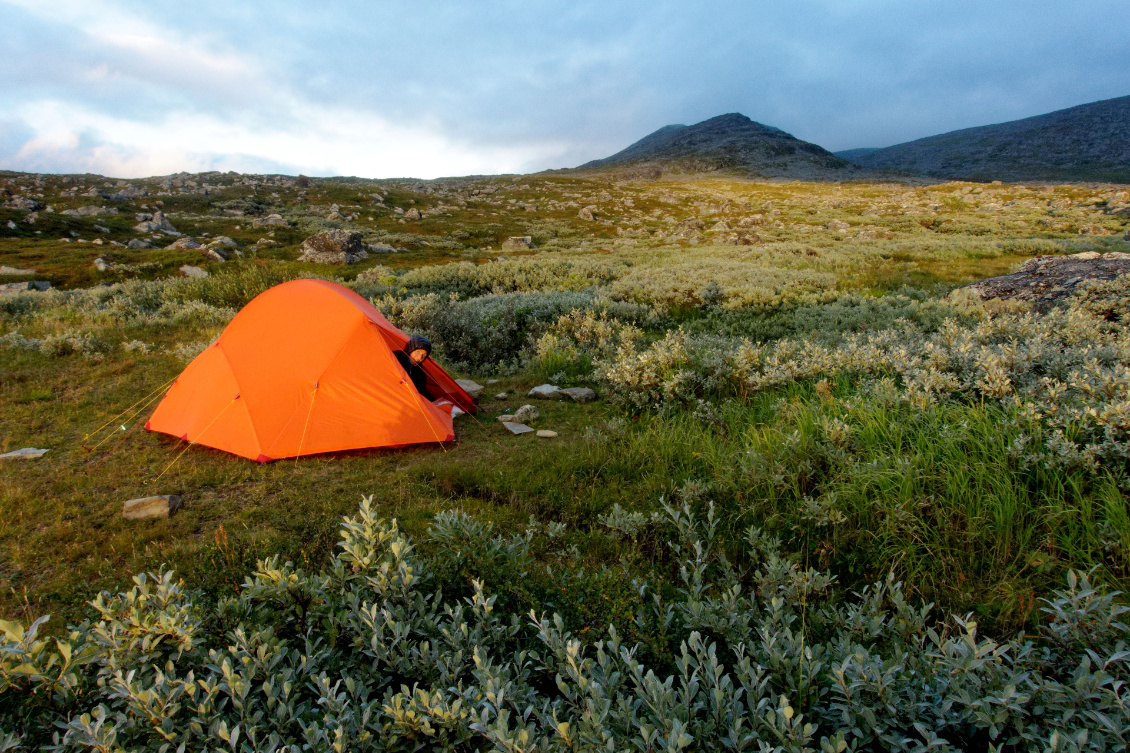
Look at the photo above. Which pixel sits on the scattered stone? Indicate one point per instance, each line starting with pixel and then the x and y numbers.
pixel 500 396
pixel 159 222
pixel 546 434
pixel 24 453
pixel 11 225
pixel 161 506
pixel 588 213
pixel 472 388
pixel 517 428
pixel 23 287
pixel 101 265
pixel 215 253
pixel 270 219
pixel 333 247
pixel 577 394
pixel 376 248
pixel 223 240
pixel 185 242
pixel 24 205
pixel 518 243
pixel 838 226
pixel 15 271
pixel 334 217
pixel 1043 280
pixel 190 271
pixel 413 214
pixel 91 210
pixel 506 418
pixel 544 391
pixel 138 243
pixel 526 413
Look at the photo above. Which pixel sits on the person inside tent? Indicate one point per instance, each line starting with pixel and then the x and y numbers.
pixel 417 350
pixel 412 358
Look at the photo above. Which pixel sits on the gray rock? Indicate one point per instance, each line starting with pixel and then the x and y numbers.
pixel 587 213
pixel 376 248
pixel 186 242
pixel 544 391
pixel 517 428
pixel 24 205
pixel 334 217
pixel 1043 280
pixel 518 243
pixel 15 271
pixel 500 396
pixel 11 225
pixel 526 413
pixel 472 388
pixel 91 210
pixel 270 219
pixel 23 287
pixel 24 453
pixel 838 226
pixel 101 265
pixel 216 253
pixel 546 434
pixel 506 418
pixel 161 506
pixel 143 216
pixel 413 214
pixel 223 240
pixel 577 394
pixel 138 243
pixel 333 247
pixel 190 271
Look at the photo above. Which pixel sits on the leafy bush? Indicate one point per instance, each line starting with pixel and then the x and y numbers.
pixel 369 654
pixel 492 331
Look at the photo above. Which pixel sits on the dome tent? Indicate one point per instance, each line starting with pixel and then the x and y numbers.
pixel 306 367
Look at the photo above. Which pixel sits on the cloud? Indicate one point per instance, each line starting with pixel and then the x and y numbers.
pixel 129 87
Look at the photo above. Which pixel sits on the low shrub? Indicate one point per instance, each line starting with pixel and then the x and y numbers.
pixel 371 655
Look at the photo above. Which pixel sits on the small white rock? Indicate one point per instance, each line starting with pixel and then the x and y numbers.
pixel 544 391
pixel 24 453
pixel 517 428
pixel 500 396
pixel 546 434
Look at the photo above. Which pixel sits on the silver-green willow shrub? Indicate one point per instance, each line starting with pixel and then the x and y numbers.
pixel 370 655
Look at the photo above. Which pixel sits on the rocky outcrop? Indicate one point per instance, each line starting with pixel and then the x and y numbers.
pixel 333 247
pixel 518 243
pixel 1043 280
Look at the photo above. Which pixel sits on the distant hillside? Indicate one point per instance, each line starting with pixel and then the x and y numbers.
pixel 853 155
pixel 1088 142
pixel 730 143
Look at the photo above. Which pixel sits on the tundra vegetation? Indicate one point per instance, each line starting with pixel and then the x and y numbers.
pixel 827 501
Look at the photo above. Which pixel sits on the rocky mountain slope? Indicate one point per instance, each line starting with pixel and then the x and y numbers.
pixel 1087 143
pixel 732 144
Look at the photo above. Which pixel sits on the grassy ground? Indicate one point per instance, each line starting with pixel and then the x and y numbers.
pixel 932 494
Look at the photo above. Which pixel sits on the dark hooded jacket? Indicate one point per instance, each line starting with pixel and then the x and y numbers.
pixel 415 371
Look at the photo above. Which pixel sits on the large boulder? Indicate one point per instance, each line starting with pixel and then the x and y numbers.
pixel 1043 280
pixel 333 247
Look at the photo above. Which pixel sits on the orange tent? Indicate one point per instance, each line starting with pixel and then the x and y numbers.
pixel 306 367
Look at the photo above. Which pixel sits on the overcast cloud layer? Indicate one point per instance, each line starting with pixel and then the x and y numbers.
pixel 382 89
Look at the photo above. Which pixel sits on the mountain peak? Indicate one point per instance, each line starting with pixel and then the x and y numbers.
pixel 731 143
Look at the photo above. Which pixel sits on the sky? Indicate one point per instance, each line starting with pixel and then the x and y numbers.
pixel 132 88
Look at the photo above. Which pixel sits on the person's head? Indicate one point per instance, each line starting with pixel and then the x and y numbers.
pixel 418 348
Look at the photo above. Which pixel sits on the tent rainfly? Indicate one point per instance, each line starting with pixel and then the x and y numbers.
pixel 306 367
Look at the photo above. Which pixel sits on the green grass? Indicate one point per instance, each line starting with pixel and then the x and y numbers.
pixel 933 494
